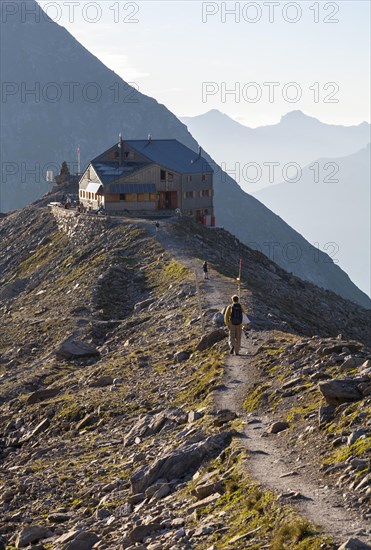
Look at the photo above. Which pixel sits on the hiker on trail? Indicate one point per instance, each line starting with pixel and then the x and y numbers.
pixel 205 268
pixel 233 319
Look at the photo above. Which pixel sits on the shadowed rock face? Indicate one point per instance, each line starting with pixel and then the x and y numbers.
pixel 345 390
pixel 178 463
pixel 48 132
pixel 73 349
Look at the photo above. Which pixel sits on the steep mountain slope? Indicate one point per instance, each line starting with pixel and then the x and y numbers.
pixel 101 362
pixel 79 101
pixel 248 220
pixel 76 100
pixel 297 138
pixel 335 211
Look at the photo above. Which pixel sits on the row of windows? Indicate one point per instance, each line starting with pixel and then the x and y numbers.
pixel 142 197
pixel 189 178
pixel 88 195
pixel 195 194
pixel 139 197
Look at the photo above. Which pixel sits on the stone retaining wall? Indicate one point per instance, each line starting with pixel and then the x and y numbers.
pixel 80 227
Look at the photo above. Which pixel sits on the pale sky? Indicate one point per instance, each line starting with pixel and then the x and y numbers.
pixel 272 57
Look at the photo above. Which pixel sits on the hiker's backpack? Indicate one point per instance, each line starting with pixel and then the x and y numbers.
pixel 236 314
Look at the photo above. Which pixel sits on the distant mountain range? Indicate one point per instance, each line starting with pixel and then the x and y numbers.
pixel 328 199
pixel 58 95
pixel 333 212
pixel 297 139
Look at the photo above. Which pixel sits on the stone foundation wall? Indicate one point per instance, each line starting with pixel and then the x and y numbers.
pixel 80 227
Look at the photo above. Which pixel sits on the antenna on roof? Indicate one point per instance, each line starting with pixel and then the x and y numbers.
pixel 199 152
pixel 149 138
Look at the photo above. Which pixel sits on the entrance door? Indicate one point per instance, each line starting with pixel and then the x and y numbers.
pixel 168 200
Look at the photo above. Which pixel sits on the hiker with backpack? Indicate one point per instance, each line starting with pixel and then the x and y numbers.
pixel 233 318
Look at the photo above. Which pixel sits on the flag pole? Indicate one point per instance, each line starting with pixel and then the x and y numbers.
pixel 239 278
pixel 78 161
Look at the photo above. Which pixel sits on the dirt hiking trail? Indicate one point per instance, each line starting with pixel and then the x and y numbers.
pixel 267 461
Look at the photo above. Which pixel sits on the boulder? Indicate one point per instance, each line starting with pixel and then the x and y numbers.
pixel 67 537
pixel 177 415
pixel 141 532
pixel 365 387
pixel 211 499
pixel 218 319
pixel 135 499
pixel 77 540
pixel 13 289
pixel 85 540
pixel 181 356
pixel 207 489
pixel 338 348
pixel 162 492
pixel 102 382
pixel 223 416
pixel 42 395
pixel 88 420
pixel 178 463
pixel 278 427
pixel 351 362
pixel 352 438
pixel 359 464
pixel 154 488
pixel 32 533
pixel 211 338
pixel 292 382
pixel 59 517
pixel 193 416
pixel 326 414
pixel 338 391
pixel 204 530
pixel 75 349
pixel 152 424
pixel 365 368
pixel 354 544
pixel 41 427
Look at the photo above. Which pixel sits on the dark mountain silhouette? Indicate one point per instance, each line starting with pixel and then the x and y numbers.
pixel 333 210
pixel 78 100
pixel 297 138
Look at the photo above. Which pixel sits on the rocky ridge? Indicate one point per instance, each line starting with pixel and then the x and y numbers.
pixel 101 348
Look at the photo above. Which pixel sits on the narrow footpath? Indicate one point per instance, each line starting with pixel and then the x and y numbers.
pixel 267 462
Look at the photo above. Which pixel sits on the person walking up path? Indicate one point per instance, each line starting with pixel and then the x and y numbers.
pixel 206 270
pixel 233 318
